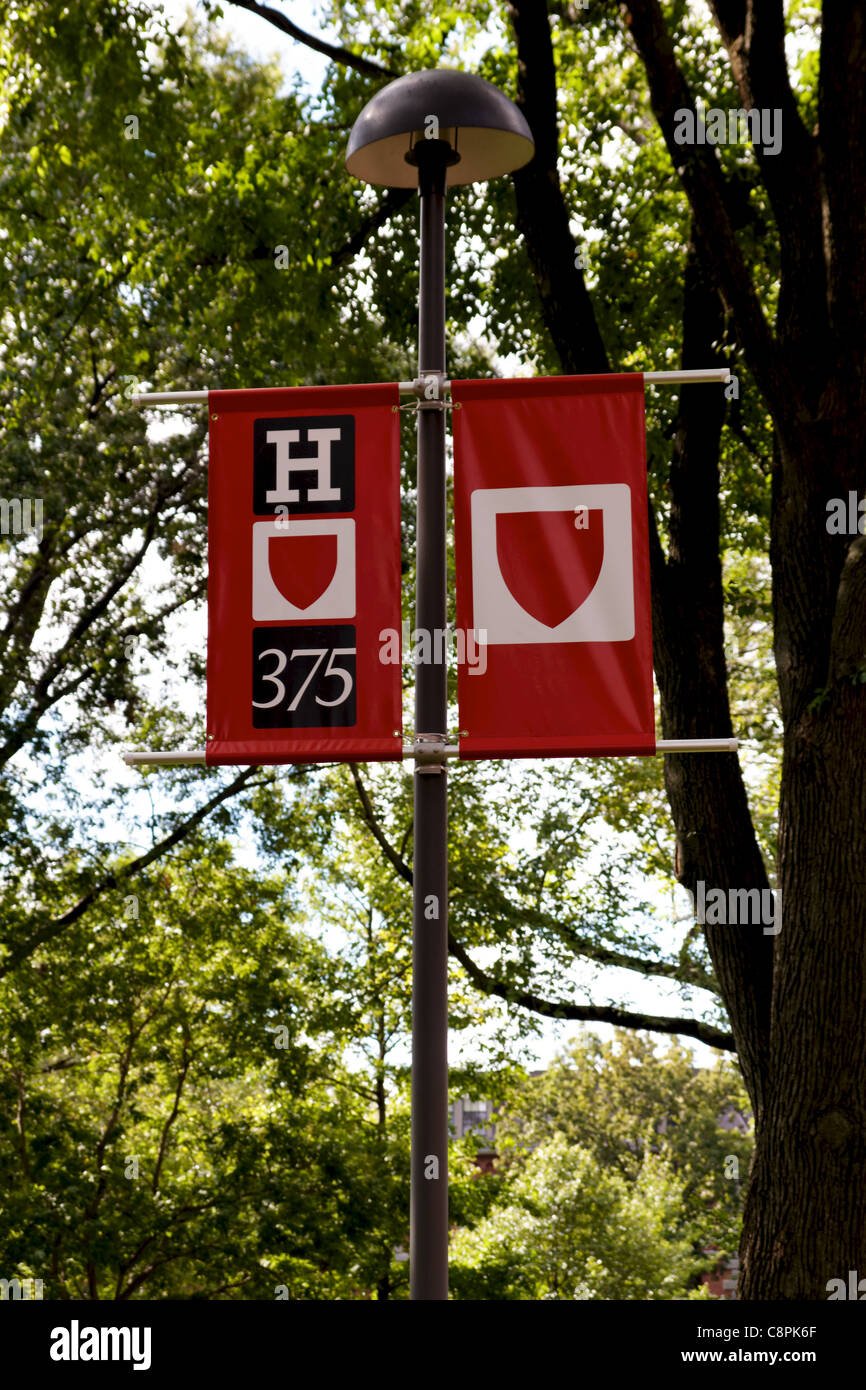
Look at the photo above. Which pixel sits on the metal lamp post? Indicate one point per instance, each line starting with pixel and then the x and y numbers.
pixel 429 129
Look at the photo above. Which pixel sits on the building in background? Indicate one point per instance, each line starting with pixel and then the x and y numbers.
pixel 474 1117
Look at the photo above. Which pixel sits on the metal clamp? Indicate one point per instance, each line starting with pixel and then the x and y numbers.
pixel 430 752
pixel 417 406
pixel 421 387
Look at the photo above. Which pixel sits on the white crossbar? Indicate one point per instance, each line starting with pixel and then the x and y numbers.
pixel 170 398
pixel 410 388
pixel 696 374
pixel 190 757
pixel 697 745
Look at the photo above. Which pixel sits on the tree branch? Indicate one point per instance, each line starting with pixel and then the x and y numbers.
pixel 42 697
pixel 587 1013
pixel 753 32
pixel 34 590
pixel 335 52
pixel 590 1013
pixel 186 1059
pixel 701 175
pixel 59 924
pixel 623 960
pixel 393 201
pixel 542 216
pixel 93 1205
pixel 394 859
pixel 842 120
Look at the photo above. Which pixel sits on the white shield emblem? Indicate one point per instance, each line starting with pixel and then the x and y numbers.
pixel 547 575
pixel 303 569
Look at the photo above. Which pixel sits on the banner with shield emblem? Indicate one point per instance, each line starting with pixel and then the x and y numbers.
pixel 552 555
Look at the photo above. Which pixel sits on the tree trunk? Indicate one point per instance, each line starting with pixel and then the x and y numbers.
pixel 805 1219
pixel 796 999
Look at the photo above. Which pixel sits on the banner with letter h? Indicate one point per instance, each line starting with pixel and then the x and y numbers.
pixel 304 572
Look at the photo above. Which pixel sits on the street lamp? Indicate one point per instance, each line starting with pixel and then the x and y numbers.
pixel 429 129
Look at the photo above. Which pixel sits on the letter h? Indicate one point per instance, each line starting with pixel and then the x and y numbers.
pixel 286 465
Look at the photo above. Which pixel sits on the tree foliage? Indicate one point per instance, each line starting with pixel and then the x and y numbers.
pixel 565 1227
pixel 624 1101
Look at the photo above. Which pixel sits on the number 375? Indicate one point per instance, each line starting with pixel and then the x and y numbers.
pixel 305 677
pixel 316 655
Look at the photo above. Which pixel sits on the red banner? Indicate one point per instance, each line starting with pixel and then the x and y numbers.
pixel 553 567
pixel 304 574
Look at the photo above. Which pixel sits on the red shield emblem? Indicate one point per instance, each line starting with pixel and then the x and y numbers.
pixel 549 564
pixel 302 567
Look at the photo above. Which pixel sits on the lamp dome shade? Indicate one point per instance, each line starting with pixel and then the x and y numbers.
pixel 488 131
